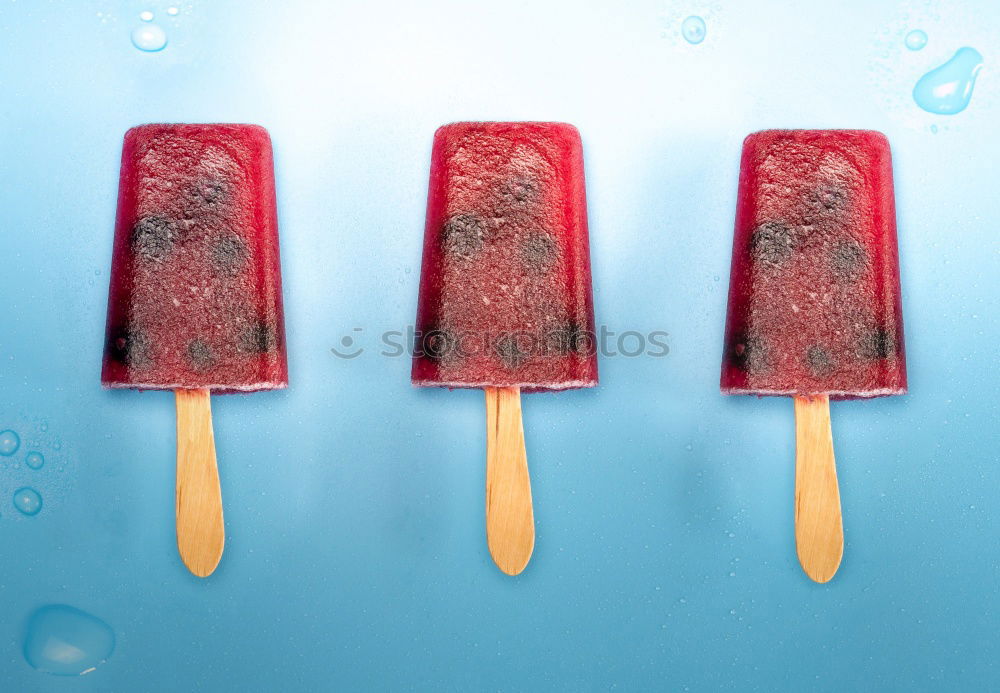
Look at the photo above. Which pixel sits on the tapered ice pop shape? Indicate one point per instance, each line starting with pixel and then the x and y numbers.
pixel 814 300
pixel 195 299
pixel 505 293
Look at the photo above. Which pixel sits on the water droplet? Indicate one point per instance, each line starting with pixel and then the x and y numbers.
pixel 27 501
pixel 146 16
pixel 35 460
pixel 934 129
pixel 172 11
pixel 693 29
pixel 149 38
pixel 65 641
pixel 916 39
pixel 9 442
pixel 947 89
pixel 44 427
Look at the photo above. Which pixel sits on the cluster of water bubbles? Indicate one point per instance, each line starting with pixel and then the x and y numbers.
pixel 26 499
pixel 945 90
pixel 60 639
pixel 151 37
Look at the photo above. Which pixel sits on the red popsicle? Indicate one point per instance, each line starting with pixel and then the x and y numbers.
pixel 505 293
pixel 195 297
pixel 814 302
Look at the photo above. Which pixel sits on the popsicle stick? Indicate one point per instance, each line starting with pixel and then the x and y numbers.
pixel 510 522
pixel 819 530
pixel 200 531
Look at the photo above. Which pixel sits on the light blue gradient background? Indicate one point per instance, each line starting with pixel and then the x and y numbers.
pixel 355 556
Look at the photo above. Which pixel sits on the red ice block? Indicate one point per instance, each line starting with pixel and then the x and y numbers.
pixel 814 300
pixel 505 292
pixel 195 299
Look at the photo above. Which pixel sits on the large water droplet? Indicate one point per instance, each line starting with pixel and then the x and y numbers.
pixel 693 29
pixel 149 38
pixel 947 89
pixel 916 39
pixel 65 641
pixel 172 11
pixel 9 442
pixel 27 500
pixel 35 460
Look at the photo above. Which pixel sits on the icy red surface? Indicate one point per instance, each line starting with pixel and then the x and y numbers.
pixel 505 292
pixel 195 298
pixel 814 301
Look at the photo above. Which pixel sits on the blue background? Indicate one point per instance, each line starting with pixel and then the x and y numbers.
pixel 355 555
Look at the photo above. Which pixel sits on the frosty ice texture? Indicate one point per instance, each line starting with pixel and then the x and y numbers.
pixel 195 298
pixel 505 291
pixel 814 300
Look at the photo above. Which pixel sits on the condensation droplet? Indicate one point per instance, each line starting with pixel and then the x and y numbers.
pixel 9 442
pixel 693 29
pixel 947 89
pixel 149 38
pixel 65 641
pixel 915 40
pixel 27 500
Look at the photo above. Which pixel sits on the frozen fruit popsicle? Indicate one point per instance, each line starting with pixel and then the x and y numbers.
pixel 195 298
pixel 814 301
pixel 505 292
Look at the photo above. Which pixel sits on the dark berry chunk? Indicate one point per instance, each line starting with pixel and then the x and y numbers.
pixel 463 235
pixel 258 338
pixel 819 360
pixel 229 254
pixel 571 337
pixel 880 343
pixel 848 260
pixel 539 251
pixel 749 353
pixel 129 345
pixel 153 238
pixel 200 355
pixel 771 243
pixel 438 344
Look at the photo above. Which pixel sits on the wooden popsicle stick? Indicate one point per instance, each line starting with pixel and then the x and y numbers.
pixel 819 529
pixel 510 522
pixel 201 534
